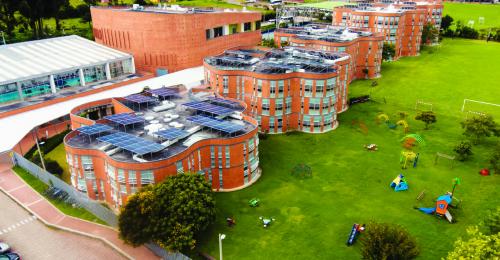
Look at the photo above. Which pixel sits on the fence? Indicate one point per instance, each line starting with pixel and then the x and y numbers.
pixel 94 207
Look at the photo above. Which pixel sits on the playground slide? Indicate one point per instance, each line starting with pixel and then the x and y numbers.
pixel 427 210
pixel 352 236
pixel 448 216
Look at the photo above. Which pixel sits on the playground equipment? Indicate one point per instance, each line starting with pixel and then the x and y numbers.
pixel 230 222
pixel 484 172
pixel 355 231
pixel 443 202
pixel 423 106
pixel 404 124
pixel 371 147
pixel 383 117
pixel 254 202
pixel 417 138
pixel 399 183
pixel 408 157
pixel 266 221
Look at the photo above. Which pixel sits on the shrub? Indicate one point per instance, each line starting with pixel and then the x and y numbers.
pixel 478 246
pixel 479 127
pixel 492 222
pixel 428 117
pixel 53 167
pixel 463 150
pixel 495 159
pixel 49 145
pixel 388 241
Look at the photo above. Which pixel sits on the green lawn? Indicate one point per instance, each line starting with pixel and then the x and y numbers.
pixel 67 209
pixel 327 4
pixel 350 185
pixel 466 12
pixel 59 155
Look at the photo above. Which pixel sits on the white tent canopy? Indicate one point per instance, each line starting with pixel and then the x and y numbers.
pixel 14 128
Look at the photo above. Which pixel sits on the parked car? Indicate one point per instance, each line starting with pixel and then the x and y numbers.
pixel 10 256
pixel 4 248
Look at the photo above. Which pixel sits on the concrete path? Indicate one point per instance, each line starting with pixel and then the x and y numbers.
pixel 14 187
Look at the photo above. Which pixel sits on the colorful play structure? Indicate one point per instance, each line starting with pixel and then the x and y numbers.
pixel 254 202
pixel 417 138
pixel 266 221
pixel 443 202
pixel 355 231
pixel 407 158
pixel 385 118
pixel 399 183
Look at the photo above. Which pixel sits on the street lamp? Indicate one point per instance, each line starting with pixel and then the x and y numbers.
pixel 221 237
pixel 3 37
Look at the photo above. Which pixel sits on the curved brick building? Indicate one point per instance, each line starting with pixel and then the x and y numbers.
pixel 284 89
pixel 121 144
pixel 364 47
pixel 173 38
pixel 401 26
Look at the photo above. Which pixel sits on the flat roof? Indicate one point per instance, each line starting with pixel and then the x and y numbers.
pixel 166 128
pixel 177 9
pixel 32 59
pixel 279 61
pixel 325 33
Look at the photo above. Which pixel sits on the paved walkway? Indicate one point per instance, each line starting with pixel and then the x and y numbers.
pixel 13 186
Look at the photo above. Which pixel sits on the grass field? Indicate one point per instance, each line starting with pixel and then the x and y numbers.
pixel 350 185
pixel 67 209
pixel 466 12
pixel 326 5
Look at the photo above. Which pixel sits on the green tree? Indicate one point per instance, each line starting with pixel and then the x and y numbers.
pixel 492 222
pixel 389 242
pixel 446 22
pixel 478 246
pixel 428 117
pixel 171 213
pixel 479 127
pixel 495 159
pixel 8 20
pixel 429 34
pixel 388 51
pixel 463 150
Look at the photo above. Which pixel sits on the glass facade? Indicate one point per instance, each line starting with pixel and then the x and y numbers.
pixel 95 73
pixel 35 87
pixel 8 92
pixel 67 79
pixel 119 68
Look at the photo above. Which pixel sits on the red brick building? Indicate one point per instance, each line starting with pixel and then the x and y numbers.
pixel 401 27
pixel 173 38
pixel 284 89
pixel 364 47
pixel 163 134
pixel 433 9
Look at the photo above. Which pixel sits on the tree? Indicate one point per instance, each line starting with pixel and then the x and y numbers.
pixel 428 117
pixel 388 241
pixel 446 22
pixel 478 127
pixel 170 213
pixel 492 222
pixel 388 51
pixel 8 20
pixel 429 34
pixel 478 246
pixel 495 159
pixel 463 150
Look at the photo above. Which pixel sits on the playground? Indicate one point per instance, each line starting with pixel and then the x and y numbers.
pixel 349 184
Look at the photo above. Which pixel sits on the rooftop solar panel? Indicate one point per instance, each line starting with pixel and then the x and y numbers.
pixel 94 129
pixel 124 119
pixel 216 124
pixel 132 143
pixel 224 102
pixel 138 98
pixel 172 133
pixel 209 108
pixel 164 92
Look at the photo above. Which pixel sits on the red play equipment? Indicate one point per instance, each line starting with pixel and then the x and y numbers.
pixel 484 172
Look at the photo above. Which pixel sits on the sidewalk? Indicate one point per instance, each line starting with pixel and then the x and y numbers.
pixel 14 187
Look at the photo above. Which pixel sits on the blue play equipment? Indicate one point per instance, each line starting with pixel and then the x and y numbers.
pixel 356 229
pixel 399 184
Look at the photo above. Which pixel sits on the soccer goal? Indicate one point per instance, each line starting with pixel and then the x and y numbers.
pixel 475 107
pixel 423 106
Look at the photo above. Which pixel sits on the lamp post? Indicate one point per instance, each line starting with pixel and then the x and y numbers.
pixel 3 37
pixel 221 237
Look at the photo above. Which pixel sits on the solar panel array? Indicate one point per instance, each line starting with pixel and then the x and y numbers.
pixel 224 102
pixel 132 143
pixel 138 98
pixel 94 129
pixel 124 119
pixel 216 124
pixel 164 92
pixel 172 133
pixel 209 108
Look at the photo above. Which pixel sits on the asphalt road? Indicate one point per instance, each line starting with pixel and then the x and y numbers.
pixel 31 239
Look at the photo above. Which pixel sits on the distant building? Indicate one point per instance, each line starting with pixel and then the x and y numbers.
pixel 365 47
pixel 38 71
pixel 142 139
pixel 284 89
pixel 166 39
pixel 401 26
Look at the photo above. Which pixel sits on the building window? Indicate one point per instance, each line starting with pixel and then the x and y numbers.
pixel 265 106
pixel 257 25
pixel 228 157
pixel 121 176
pixel 220 179
pixel 8 92
pixel 67 79
pixel 132 181
pixel 35 87
pixel 247 26
pixel 272 88
pixel 96 73
pixel 147 177
pixel 180 168
pixel 218 31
